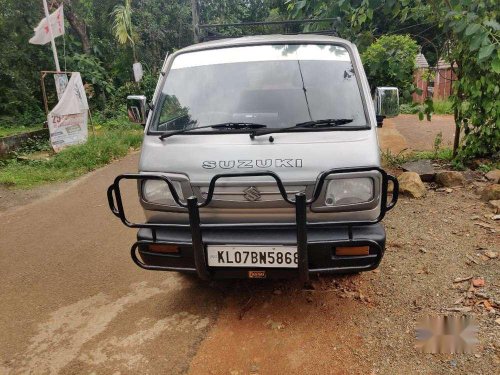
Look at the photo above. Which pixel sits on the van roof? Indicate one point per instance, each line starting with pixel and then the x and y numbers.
pixel 265 39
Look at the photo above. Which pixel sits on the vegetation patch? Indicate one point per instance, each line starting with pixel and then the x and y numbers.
pixel 440 107
pixel 6 131
pixel 111 141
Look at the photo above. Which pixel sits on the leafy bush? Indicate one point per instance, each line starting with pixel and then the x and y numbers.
pixel 410 109
pixel 390 61
pixel 440 107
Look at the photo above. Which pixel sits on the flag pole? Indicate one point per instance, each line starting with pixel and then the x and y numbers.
pixel 54 50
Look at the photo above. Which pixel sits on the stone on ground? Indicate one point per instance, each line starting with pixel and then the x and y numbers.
pixel 411 185
pixel 495 205
pixel 493 176
pixel 424 169
pixel 450 178
pixel 491 193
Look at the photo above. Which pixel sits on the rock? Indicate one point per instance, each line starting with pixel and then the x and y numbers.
pixel 491 193
pixel 410 184
pixel 478 282
pixel 493 176
pixel 495 205
pixel 491 254
pixel 423 167
pixel 450 178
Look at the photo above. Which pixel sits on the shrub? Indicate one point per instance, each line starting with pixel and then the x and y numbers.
pixel 390 61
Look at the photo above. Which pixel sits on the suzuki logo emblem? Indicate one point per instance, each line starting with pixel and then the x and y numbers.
pixel 252 194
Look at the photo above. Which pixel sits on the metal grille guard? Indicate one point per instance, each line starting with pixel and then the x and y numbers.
pixel 192 205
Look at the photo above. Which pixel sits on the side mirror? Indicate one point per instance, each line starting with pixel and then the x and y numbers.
pixel 386 102
pixel 136 109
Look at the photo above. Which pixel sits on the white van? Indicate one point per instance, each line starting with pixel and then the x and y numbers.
pixel 260 160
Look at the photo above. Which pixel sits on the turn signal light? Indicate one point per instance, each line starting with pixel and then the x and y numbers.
pixel 352 250
pixel 163 248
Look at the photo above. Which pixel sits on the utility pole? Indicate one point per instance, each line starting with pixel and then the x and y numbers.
pixel 52 42
pixel 195 10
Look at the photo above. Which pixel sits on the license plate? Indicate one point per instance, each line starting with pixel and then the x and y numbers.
pixel 252 256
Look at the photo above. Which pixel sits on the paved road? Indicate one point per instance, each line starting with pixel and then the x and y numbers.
pixel 73 302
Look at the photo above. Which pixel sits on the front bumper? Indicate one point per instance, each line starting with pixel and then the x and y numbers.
pixel 321 245
pixel 316 242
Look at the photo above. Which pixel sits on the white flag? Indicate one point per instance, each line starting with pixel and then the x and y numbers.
pixel 42 33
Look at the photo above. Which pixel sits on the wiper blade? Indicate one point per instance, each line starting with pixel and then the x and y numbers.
pixel 324 123
pixel 224 125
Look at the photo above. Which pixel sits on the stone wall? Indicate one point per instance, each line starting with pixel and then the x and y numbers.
pixel 13 142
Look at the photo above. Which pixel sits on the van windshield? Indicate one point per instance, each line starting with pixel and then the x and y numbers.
pixel 274 85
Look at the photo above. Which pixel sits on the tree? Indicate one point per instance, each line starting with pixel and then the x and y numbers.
pixel 390 61
pixel 76 23
pixel 123 27
pixel 469 35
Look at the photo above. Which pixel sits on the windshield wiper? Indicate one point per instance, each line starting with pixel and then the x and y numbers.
pixel 224 125
pixel 324 123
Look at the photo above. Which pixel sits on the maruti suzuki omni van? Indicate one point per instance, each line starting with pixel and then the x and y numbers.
pixel 260 160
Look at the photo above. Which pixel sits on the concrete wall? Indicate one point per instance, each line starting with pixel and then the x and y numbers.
pixel 13 142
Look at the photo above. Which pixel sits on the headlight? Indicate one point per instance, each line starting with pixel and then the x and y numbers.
pixel 158 192
pixel 346 191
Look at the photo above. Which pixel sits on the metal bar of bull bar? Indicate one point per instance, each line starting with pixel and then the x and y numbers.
pixel 192 205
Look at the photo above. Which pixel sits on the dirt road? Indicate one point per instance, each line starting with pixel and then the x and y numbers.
pixel 72 302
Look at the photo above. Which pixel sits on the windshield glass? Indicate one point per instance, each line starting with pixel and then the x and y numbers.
pixel 274 85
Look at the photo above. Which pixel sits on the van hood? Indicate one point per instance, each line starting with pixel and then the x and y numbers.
pixel 295 157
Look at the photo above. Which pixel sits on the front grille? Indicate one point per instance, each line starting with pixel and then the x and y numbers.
pixel 250 193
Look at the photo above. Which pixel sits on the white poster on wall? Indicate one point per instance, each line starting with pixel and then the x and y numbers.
pixel 68 120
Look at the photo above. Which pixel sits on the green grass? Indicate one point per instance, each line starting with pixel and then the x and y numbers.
pixel 396 160
pixel 112 141
pixel 441 107
pixel 5 131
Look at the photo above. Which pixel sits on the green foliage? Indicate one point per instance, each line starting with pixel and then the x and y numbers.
pixel 409 109
pixel 476 50
pixel 6 131
pixel 123 27
pixel 113 140
pixel 438 140
pixel 443 107
pixel 390 61
pixel 397 160
pixel 440 107
pixel 465 32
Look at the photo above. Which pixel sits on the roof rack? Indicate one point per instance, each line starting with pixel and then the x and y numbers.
pixel 211 34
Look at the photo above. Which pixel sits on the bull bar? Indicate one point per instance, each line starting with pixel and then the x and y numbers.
pixel 196 227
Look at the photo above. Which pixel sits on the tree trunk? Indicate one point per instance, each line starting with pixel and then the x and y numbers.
pixel 456 113
pixel 195 10
pixel 77 24
pixel 458 127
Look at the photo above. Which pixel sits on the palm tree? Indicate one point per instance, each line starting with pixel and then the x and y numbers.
pixel 122 25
